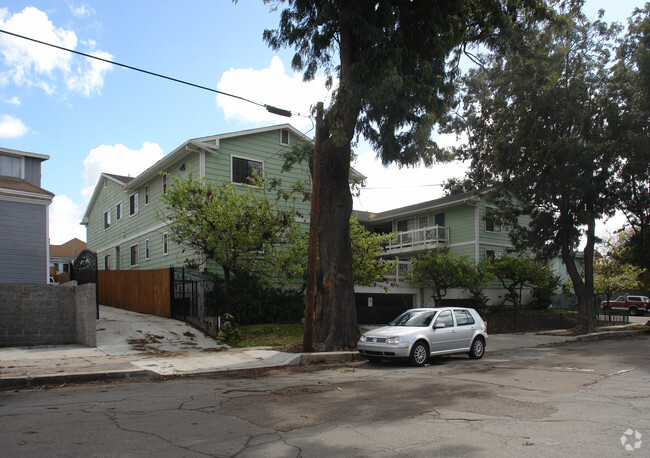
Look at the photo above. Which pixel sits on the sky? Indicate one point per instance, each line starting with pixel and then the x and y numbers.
pixel 92 117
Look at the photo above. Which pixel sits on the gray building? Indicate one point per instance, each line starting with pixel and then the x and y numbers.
pixel 24 216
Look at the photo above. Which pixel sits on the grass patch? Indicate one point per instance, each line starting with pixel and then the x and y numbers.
pixel 270 335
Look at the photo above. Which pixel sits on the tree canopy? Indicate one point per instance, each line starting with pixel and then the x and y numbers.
pixel 240 228
pixel 395 62
pixel 537 115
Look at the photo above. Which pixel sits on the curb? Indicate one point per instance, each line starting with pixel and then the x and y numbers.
pixel 64 379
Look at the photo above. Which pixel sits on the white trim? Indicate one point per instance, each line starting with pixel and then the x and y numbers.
pixel 15 152
pixel 470 242
pixel 232 168
pixel 104 220
pixel 45 200
pixel 147 250
pixel 137 255
pixel 136 203
pixel 120 215
pixel 164 183
pixel 288 137
pixel 147 195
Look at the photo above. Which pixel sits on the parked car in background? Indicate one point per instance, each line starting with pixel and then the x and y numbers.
pixel 418 334
pixel 633 305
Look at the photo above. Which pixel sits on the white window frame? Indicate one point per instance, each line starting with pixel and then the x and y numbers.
pixel 164 183
pixel 146 195
pixel 496 228
pixel 137 255
pixel 288 142
pixel 107 261
pixel 165 241
pixel 232 168
pixel 147 250
pixel 135 209
pixel 107 220
pixel 119 211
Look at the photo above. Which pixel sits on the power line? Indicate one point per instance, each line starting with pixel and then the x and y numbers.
pixel 269 108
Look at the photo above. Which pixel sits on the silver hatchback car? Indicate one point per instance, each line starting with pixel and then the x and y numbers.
pixel 418 334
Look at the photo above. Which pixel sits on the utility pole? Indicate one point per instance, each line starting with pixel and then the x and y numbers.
pixel 310 296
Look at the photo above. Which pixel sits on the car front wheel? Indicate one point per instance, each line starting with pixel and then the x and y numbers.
pixel 478 348
pixel 419 354
pixel 634 311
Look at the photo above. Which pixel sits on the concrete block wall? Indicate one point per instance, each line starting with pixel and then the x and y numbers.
pixel 47 315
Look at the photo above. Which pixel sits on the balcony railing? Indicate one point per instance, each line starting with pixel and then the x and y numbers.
pixel 399 274
pixel 419 239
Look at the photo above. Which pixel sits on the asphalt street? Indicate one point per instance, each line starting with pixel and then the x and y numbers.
pixel 577 399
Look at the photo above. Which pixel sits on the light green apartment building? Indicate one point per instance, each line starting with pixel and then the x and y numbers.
pixel 460 222
pixel 126 223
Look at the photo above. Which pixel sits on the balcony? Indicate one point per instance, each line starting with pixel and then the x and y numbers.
pixel 419 240
pixel 399 275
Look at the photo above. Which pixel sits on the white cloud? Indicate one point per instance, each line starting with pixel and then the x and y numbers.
pixel 65 217
pixel 13 101
pixel 119 160
pixel 11 127
pixel 271 86
pixel 36 65
pixel 82 10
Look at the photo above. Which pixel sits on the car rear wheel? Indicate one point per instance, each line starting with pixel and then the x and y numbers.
pixel 419 354
pixel 477 349
pixel 633 311
pixel 607 309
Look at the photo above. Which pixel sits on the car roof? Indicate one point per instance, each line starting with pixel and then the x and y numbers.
pixel 435 309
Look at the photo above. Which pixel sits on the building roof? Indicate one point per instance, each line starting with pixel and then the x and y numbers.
pixel 21 189
pixel 446 201
pixel 14 152
pixel 69 249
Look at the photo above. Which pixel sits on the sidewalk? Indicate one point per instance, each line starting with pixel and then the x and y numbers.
pixel 132 345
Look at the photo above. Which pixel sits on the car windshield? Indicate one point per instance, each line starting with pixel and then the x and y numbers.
pixel 413 318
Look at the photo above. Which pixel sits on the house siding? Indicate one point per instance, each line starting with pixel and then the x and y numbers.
pixel 23 243
pixel 151 221
pixel 33 171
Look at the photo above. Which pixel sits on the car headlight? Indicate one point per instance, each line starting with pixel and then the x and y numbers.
pixel 392 340
pixel 363 339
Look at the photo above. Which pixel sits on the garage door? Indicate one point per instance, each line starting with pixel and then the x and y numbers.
pixel 381 308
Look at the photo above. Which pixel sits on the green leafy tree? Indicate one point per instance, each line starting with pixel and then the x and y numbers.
pixel 440 270
pixel 630 84
pixel 611 277
pixel 394 63
pixel 537 119
pixel 367 266
pixel 241 228
pixel 517 273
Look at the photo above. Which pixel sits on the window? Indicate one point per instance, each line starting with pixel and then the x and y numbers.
pixel 490 223
pixel 133 204
pixel 493 254
pixel 463 318
pixel 107 262
pixel 164 183
pixel 146 249
pixel 284 137
pixel 165 244
pixel 107 219
pixel 446 319
pixel 243 170
pixel 118 211
pixel 146 195
pixel 11 166
pixel 135 249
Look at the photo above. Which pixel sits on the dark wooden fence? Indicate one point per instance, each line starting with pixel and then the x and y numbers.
pixel 143 291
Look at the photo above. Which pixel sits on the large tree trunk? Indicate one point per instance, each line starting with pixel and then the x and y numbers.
pixel 335 324
pixel 584 289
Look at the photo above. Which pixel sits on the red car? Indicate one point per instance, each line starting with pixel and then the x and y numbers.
pixel 631 304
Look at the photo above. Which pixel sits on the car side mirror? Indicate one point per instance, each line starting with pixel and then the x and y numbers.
pixel 439 326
